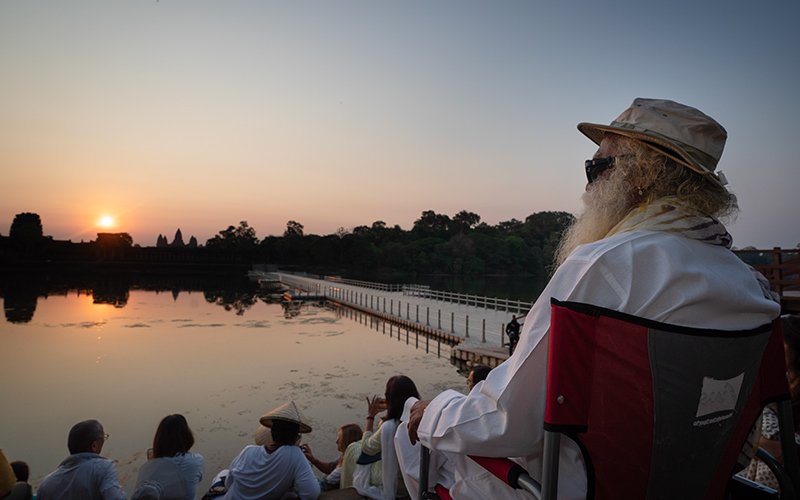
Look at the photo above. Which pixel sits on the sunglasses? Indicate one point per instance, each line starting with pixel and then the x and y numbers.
pixel 597 166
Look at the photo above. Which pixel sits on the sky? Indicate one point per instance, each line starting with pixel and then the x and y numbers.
pixel 196 115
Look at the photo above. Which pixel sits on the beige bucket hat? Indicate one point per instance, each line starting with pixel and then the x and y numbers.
pixel 685 134
pixel 289 412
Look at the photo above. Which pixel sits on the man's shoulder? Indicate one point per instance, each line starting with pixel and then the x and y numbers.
pixel 657 243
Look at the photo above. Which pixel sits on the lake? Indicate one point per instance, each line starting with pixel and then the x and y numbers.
pixel 128 355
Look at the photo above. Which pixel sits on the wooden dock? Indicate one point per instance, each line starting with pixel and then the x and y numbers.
pixel 466 357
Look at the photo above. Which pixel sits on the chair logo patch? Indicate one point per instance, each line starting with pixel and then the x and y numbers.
pixel 718 396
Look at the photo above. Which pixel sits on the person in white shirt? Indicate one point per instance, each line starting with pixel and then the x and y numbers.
pixel 172 442
pixel 270 472
pixel 84 475
pixel 648 243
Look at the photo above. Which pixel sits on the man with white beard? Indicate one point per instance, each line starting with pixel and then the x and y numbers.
pixel 648 243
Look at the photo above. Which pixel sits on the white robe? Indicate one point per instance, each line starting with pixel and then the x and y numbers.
pixel 654 275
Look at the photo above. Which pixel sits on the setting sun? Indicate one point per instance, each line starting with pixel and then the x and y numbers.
pixel 106 221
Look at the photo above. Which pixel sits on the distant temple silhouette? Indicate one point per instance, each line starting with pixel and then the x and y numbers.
pixel 177 242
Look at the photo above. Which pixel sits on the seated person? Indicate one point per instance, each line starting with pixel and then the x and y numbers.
pixel 172 442
pixel 476 374
pixel 21 490
pixel 84 475
pixel 380 479
pixel 269 472
pixel 347 434
pixel 11 487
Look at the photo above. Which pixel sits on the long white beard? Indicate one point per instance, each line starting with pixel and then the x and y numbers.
pixel 605 204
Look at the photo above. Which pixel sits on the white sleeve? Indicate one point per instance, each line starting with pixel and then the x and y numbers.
pixel 503 415
pixel 389 459
pixel 305 483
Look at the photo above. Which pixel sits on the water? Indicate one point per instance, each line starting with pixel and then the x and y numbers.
pixel 128 356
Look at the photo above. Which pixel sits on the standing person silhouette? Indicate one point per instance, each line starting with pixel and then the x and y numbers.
pixel 512 330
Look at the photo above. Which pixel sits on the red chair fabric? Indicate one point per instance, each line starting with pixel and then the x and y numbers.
pixel 659 411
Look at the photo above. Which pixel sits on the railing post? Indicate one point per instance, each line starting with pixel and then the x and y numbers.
pixel 452 322
pixel 502 334
pixel 777 261
pixel 440 319
pixel 384 305
pixel 408 308
pixel 483 331
pixel 417 313
pixel 466 326
pixel 428 316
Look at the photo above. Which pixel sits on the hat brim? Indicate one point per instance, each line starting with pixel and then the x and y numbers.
pixel 658 143
pixel 267 422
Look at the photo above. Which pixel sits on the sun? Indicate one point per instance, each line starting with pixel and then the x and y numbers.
pixel 106 221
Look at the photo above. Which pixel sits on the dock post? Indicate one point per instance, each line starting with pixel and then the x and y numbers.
pixel 466 327
pixel 408 308
pixel 452 321
pixel 384 305
pixel 502 334
pixel 417 313
pixel 483 331
pixel 440 319
pixel 391 307
pixel 399 309
pixel 428 316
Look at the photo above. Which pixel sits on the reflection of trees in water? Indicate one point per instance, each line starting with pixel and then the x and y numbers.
pixel 21 289
pixel 231 300
pixel 19 308
pixel 112 289
pixel 20 294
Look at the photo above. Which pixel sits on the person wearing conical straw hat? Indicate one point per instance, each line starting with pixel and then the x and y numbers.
pixel 271 471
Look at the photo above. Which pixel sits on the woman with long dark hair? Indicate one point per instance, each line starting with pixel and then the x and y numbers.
pixel 390 483
pixel 172 442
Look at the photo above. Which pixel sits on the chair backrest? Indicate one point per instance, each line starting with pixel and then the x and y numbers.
pixel 659 411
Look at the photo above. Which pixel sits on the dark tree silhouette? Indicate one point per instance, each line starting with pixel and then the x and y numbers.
pixel 293 228
pixel 26 226
pixel 235 238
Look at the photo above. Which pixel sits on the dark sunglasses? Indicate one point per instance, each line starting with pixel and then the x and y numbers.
pixel 597 166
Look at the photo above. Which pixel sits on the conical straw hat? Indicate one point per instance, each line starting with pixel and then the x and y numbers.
pixel 288 412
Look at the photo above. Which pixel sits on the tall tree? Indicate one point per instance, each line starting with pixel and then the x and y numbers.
pixel 235 238
pixel 293 228
pixel 463 221
pixel 26 226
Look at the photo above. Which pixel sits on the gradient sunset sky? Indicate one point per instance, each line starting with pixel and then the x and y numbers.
pixel 200 114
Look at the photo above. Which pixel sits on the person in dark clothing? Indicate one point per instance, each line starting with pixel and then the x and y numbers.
pixel 512 330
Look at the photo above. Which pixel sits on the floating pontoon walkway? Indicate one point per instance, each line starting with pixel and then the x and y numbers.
pixel 476 324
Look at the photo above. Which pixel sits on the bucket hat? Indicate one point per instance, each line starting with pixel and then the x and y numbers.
pixel 288 412
pixel 685 134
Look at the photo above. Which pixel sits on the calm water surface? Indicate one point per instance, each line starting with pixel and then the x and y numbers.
pixel 222 368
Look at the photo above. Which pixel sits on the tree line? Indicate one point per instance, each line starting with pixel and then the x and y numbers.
pixel 436 244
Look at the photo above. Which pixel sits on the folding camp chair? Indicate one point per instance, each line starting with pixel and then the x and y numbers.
pixel 614 378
